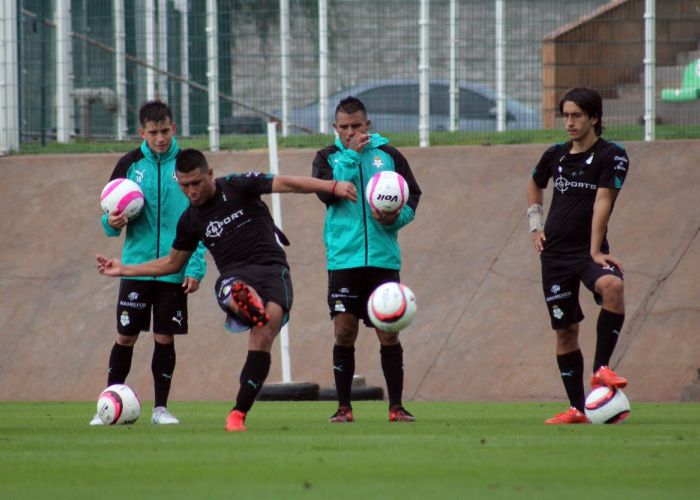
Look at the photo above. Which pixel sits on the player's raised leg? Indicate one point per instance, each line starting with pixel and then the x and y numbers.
pixel 610 320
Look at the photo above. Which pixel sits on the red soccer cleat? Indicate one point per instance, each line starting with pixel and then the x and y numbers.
pixel 400 414
pixel 249 308
pixel 570 416
pixel 342 416
pixel 605 377
pixel 235 422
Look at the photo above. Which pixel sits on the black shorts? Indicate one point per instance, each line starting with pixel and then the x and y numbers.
pixel 137 298
pixel 272 282
pixel 349 289
pixel 561 276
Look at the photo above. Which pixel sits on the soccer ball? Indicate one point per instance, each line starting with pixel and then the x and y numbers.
pixel 118 404
pixel 607 406
pixel 391 307
pixel 122 196
pixel 387 191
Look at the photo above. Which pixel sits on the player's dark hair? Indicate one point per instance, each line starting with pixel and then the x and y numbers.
pixel 589 101
pixel 350 105
pixel 191 159
pixel 155 111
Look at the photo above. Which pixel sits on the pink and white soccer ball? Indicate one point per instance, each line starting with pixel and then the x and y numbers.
pixel 607 406
pixel 391 307
pixel 118 404
pixel 387 191
pixel 122 196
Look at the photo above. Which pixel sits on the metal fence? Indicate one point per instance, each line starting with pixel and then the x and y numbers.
pixel 81 68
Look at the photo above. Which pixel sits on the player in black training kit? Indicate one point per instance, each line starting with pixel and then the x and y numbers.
pixel 254 288
pixel 587 172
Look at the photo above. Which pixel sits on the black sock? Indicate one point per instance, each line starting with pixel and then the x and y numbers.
pixel 253 375
pixel 392 365
pixel 609 328
pixel 119 363
pixel 162 366
pixel 571 369
pixel 343 371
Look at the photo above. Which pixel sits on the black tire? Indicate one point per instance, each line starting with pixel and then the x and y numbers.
pixel 302 391
pixel 367 393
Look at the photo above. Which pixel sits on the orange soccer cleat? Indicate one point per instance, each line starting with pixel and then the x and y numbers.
pixel 605 377
pixel 249 308
pixel 235 422
pixel 570 416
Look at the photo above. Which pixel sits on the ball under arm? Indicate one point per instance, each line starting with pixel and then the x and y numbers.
pixel 535 217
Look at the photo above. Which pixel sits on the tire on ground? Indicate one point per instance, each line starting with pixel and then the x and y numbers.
pixel 302 391
pixel 366 393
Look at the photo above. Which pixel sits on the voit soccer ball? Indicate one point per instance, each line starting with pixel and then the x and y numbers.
pixel 118 404
pixel 122 196
pixel 607 406
pixel 387 191
pixel 391 307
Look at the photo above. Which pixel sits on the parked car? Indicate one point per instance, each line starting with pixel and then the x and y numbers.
pixel 393 106
pixel 243 124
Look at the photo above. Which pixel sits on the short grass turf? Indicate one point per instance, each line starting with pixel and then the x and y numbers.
pixel 453 450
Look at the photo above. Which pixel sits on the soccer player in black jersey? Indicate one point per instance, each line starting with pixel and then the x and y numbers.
pixel 587 173
pixel 235 225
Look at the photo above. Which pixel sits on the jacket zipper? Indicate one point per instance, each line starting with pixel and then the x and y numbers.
pixel 364 214
pixel 158 229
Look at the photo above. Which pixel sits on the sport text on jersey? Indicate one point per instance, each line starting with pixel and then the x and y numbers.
pixel 216 227
pixel 562 184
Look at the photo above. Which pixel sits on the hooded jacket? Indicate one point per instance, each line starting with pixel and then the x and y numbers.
pixel 150 235
pixel 353 238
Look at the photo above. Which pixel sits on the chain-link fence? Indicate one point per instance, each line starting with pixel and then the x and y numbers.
pixel 365 48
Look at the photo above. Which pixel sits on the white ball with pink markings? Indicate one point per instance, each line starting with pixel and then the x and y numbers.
pixel 122 196
pixel 387 191
pixel 391 307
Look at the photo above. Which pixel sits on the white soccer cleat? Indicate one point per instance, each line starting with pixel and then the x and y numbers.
pixel 162 416
pixel 96 420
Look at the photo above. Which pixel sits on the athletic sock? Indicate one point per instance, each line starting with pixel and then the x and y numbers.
pixel 253 375
pixel 343 371
pixel 608 328
pixel 571 369
pixel 162 366
pixel 392 365
pixel 119 363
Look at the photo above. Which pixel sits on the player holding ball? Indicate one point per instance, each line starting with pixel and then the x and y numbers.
pixel 362 249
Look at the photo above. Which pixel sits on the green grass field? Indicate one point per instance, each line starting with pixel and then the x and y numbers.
pixel 454 450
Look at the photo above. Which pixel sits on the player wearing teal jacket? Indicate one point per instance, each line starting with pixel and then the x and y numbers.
pixel 152 304
pixel 362 249
pixel 150 235
pixel 352 236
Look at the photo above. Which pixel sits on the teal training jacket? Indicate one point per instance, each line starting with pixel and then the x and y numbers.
pixel 150 235
pixel 351 235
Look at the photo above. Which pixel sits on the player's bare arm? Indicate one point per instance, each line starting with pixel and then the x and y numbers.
pixel 535 214
pixel 601 215
pixel 169 264
pixel 303 184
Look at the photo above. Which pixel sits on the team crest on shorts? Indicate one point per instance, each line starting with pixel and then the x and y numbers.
pixel 339 306
pixel 124 318
pixel 557 313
